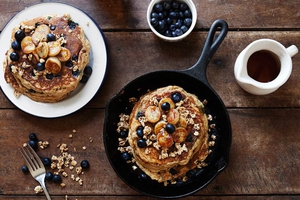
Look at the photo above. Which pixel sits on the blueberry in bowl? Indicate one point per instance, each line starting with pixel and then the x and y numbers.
pixel 171 20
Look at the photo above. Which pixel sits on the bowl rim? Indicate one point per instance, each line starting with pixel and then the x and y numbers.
pixel 193 9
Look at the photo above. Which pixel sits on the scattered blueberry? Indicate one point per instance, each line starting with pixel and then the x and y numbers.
pixel 126 156
pixel 40 66
pixel 141 143
pixel 51 37
pixel 190 174
pixel 123 134
pixel 84 79
pixel 75 73
pixel 69 63
pixel 72 25
pixel 143 176
pixel 75 57
pixel 176 97
pixel 46 162
pixel 49 76
pixel 15 45
pixel 24 169
pixel 88 70
pixel 168 13
pixel 56 178
pixel 32 136
pixel 14 56
pixel 85 164
pixel 19 35
pixel 170 128
pixel 165 106
pixel 140 131
pixel 49 176
pixel 52 27
pixel 189 138
pixel 33 144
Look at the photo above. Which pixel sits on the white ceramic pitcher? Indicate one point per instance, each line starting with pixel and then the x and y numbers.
pixel 261 88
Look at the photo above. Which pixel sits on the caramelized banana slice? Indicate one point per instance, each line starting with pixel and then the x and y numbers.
pixel 42 49
pixel 40 34
pixel 182 122
pixel 173 116
pixel 27 45
pixel 64 55
pixel 160 125
pixel 54 48
pixel 152 114
pixel 179 135
pixel 164 139
pixel 53 65
pixel 166 100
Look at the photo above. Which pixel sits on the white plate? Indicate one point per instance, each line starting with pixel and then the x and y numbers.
pixel 98 61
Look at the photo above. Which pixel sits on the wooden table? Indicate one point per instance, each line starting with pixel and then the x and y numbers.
pixel 265 151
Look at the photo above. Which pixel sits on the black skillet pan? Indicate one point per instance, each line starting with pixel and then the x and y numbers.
pixel 193 80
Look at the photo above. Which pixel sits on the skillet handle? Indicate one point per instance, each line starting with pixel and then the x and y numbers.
pixel 210 47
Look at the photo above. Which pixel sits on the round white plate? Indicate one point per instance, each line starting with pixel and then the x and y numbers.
pixel 98 61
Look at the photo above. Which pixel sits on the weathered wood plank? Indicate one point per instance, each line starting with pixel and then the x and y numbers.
pixel 263 158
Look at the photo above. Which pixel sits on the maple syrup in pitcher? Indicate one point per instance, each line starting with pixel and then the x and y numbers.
pixel 263 66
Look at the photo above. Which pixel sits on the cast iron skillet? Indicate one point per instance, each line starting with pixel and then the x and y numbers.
pixel 193 80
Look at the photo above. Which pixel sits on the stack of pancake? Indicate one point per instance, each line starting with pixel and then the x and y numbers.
pixel 47 58
pixel 174 137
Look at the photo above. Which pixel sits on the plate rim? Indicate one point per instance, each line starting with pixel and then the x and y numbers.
pixel 71 109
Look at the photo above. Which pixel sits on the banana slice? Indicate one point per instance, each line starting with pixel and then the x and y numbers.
pixel 160 125
pixel 27 45
pixel 182 122
pixel 64 55
pixel 54 48
pixel 152 114
pixel 179 135
pixel 53 65
pixel 168 100
pixel 42 49
pixel 173 116
pixel 164 139
pixel 40 34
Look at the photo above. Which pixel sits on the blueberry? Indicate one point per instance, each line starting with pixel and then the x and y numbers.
pixel 161 24
pixel 172 27
pixel 75 73
pixel 178 32
pixel 142 176
pixel 14 56
pixel 32 136
pixel 52 27
pixel 160 16
pixel 75 57
pixel 88 70
pixel 123 134
pixel 189 138
pixel 184 28
pixel 175 5
pixel 170 128
pixel 49 76
pixel 56 178
pixel 85 164
pixel 176 97
pixel 19 35
pixel 167 5
pixel 187 22
pixel 126 156
pixel 72 25
pixel 183 6
pixel 169 20
pixel 154 21
pixel 84 79
pixel 190 174
pixel 173 15
pixel 168 33
pixel 24 169
pixel 40 66
pixel 140 131
pixel 33 144
pixel 49 176
pixel 51 37
pixel 141 143
pixel 69 63
pixel 154 15
pixel 165 106
pixel 187 13
pixel 15 45
pixel 46 162
pixel 158 7
pixel 178 23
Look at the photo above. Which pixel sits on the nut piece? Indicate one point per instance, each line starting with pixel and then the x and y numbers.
pixel 53 65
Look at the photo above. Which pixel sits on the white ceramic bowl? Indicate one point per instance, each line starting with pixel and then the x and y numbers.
pixel 192 7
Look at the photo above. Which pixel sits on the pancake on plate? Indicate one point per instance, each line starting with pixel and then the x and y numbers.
pixel 167 134
pixel 47 58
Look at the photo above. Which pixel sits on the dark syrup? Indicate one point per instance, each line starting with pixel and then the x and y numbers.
pixel 263 66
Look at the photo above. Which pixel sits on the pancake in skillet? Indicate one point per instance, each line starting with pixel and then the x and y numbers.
pixel 168 133
pixel 47 58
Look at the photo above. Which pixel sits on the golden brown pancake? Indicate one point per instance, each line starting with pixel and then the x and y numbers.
pixel 175 133
pixel 50 60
